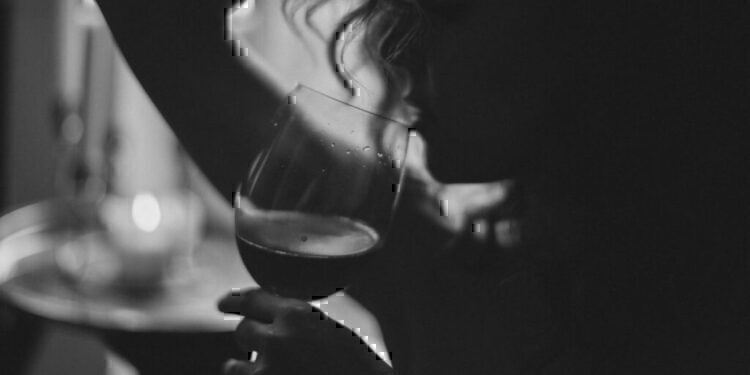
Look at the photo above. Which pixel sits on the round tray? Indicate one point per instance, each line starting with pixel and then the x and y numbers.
pixel 31 278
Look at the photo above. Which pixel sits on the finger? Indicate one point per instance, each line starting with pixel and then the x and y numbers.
pixel 235 367
pixel 480 230
pixel 255 304
pixel 252 335
pixel 508 233
pixel 230 303
pixel 460 203
pixel 480 199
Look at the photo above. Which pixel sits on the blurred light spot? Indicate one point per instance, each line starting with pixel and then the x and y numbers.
pixel 146 212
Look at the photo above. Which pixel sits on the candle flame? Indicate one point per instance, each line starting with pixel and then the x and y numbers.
pixel 146 212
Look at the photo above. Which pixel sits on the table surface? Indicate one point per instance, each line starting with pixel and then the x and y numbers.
pixel 32 239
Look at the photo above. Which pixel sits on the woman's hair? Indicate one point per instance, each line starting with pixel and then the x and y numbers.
pixel 387 27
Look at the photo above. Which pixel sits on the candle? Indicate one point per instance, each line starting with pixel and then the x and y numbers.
pixel 148 232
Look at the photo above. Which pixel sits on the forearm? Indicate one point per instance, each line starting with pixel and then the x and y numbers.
pixel 218 105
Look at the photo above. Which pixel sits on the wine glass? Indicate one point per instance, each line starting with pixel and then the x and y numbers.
pixel 317 203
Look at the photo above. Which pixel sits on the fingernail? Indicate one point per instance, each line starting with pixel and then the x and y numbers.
pixel 235 293
pixel 222 303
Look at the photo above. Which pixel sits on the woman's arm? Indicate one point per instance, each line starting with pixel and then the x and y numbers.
pixel 218 104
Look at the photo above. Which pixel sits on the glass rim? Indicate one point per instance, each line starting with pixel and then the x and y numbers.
pixel 302 87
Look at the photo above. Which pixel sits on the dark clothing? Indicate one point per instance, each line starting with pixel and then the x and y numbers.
pixel 625 121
